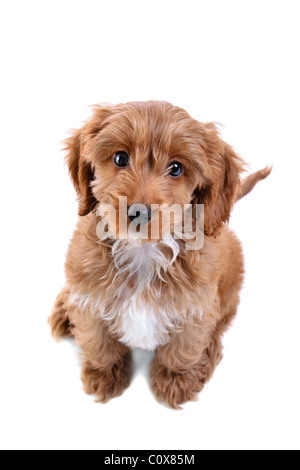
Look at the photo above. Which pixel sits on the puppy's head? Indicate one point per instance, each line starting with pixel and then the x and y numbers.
pixel 153 153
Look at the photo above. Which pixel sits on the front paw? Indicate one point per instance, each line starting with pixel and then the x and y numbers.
pixel 175 388
pixel 109 383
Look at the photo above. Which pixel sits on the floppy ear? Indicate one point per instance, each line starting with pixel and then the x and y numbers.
pixel 80 171
pixel 219 193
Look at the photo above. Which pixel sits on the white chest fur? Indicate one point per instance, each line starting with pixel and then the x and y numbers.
pixel 142 326
pixel 139 325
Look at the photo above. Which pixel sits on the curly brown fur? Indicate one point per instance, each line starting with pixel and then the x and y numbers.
pixel 107 383
pixel 159 295
pixel 59 322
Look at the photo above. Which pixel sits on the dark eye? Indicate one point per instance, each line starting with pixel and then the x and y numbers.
pixel 121 159
pixel 175 169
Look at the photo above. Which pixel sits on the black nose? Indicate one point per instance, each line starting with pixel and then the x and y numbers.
pixel 142 214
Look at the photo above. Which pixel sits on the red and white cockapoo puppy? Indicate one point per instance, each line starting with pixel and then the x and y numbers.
pixel 155 295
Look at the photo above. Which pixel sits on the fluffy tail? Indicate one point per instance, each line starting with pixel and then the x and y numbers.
pixel 251 181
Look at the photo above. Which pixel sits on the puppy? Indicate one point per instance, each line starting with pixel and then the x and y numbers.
pixel 155 294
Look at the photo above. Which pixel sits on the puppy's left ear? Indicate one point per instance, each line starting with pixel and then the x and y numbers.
pixel 219 192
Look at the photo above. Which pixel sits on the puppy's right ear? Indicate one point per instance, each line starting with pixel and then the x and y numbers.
pixel 80 171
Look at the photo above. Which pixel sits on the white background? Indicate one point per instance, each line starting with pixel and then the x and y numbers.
pixel 235 62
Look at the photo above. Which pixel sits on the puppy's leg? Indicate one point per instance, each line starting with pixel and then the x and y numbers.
pixel 107 383
pixel 59 321
pixel 183 366
pixel 107 364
